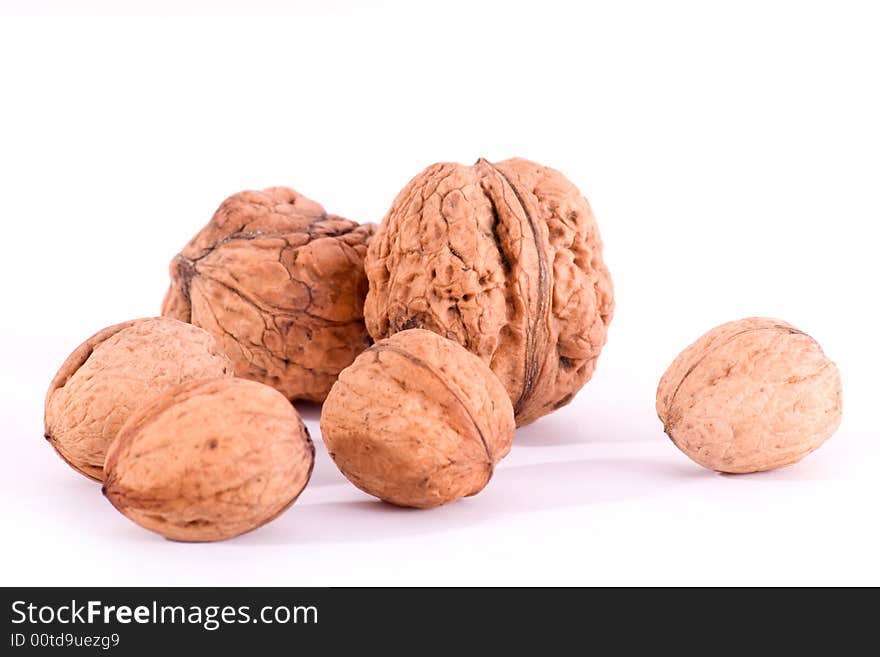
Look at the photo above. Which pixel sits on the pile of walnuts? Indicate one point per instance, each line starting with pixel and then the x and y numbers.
pixel 481 303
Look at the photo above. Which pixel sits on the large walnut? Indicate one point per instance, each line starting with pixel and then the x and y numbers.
pixel 112 373
pixel 750 395
pixel 417 421
pixel 506 259
pixel 281 284
pixel 209 460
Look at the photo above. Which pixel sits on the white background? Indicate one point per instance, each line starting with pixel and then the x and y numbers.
pixel 731 152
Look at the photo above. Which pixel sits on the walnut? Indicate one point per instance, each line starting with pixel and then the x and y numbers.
pixel 209 460
pixel 506 259
pixel 750 395
pixel 417 421
pixel 111 373
pixel 281 284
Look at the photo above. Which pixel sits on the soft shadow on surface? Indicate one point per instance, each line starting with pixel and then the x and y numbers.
pixel 310 411
pixel 325 472
pixel 809 469
pixel 549 432
pixel 514 490
pixel 571 426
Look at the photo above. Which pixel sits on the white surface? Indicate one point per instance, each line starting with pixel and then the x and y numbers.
pixel 730 153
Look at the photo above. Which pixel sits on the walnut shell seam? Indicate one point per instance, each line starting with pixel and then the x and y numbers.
pixel 669 423
pixel 377 348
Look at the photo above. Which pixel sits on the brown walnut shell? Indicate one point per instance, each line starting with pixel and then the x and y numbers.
pixel 505 259
pixel 281 284
pixel 417 421
pixel 209 460
pixel 112 373
pixel 750 395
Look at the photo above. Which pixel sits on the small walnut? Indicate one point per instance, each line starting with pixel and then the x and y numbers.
pixel 281 284
pixel 112 372
pixel 417 421
pixel 506 259
pixel 750 395
pixel 209 460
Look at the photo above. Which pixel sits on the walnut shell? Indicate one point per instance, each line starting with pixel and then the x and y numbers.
pixel 209 460
pixel 750 395
pixel 281 284
pixel 506 259
pixel 417 421
pixel 111 373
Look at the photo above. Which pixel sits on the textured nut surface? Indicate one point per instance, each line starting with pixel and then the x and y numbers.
pixel 209 460
pixel 506 259
pixel 417 421
pixel 112 373
pixel 281 284
pixel 750 395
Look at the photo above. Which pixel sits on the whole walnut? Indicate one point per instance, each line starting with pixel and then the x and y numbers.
pixel 417 421
pixel 112 372
pixel 281 284
pixel 505 259
pixel 209 460
pixel 750 395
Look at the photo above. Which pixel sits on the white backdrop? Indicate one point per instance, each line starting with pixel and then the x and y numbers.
pixel 729 151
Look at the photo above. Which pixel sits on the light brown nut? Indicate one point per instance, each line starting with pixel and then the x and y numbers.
pixel 112 373
pixel 750 395
pixel 505 259
pixel 209 460
pixel 281 284
pixel 417 421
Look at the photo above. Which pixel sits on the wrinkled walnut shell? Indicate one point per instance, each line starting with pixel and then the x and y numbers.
pixel 281 285
pixel 750 395
pixel 112 373
pixel 417 421
pixel 505 259
pixel 209 460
